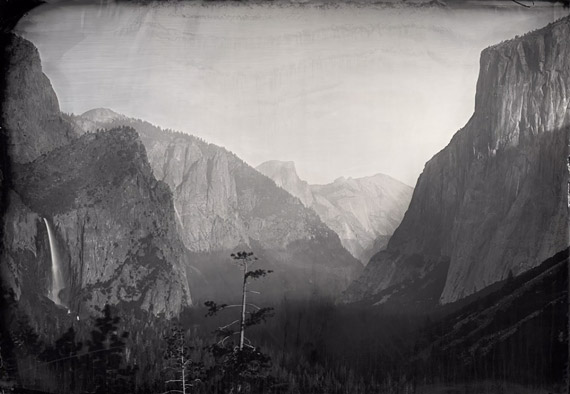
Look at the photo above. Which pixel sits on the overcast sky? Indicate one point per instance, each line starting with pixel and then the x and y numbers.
pixel 341 91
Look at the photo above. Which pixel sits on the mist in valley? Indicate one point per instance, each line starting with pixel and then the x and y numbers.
pixel 285 198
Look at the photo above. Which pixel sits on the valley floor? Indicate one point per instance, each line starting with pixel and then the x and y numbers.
pixel 485 387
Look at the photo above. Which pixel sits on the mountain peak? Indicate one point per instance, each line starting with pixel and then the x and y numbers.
pixel 379 180
pixel 102 115
pixel 510 151
pixel 284 174
pixel 277 165
pixel 364 212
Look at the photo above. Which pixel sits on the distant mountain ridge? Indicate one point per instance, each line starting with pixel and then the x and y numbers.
pixel 223 204
pixel 494 201
pixel 284 174
pixel 364 212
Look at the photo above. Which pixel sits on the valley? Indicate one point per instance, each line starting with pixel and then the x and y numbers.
pixel 122 264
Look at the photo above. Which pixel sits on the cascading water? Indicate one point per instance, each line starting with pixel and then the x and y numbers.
pixel 178 216
pixel 56 275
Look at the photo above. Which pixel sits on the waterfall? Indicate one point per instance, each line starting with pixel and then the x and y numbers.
pixel 178 215
pixel 56 276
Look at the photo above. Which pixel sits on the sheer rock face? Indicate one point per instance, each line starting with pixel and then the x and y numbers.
pixel 205 192
pixel 114 223
pixel 494 200
pixel 364 212
pixel 222 204
pixel 30 109
pixel 284 174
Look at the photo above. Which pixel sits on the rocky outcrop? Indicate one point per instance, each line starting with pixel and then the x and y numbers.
pixel 487 335
pixel 494 201
pixel 284 174
pixel 113 222
pixel 364 212
pixel 222 204
pixel 30 110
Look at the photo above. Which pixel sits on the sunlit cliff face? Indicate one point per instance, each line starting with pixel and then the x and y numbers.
pixel 342 90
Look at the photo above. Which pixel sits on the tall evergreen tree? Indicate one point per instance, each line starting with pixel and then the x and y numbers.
pixel 241 367
pixel 105 358
pixel 62 357
pixel 187 372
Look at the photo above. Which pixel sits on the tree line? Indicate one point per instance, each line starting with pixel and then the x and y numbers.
pixel 303 346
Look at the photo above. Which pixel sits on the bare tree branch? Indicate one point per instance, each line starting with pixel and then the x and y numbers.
pixel 227 325
pixel 524 5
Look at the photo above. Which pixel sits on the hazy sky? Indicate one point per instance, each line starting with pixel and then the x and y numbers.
pixel 342 91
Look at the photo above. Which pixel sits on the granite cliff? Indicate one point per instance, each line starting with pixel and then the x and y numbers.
pixel 30 109
pixel 113 224
pixel 222 204
pixel 284 174
pixel 113 221
pixel 494 201
pixel 364 212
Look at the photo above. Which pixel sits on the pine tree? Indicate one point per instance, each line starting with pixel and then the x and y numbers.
pixel 105 357
pixel 6 382
pixel 63 356
pixel 241 367
pixel 178 355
